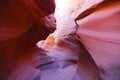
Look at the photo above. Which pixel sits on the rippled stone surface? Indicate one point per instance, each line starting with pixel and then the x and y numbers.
pixel 79 41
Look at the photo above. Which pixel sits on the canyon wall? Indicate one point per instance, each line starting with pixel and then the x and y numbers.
pixel 76 40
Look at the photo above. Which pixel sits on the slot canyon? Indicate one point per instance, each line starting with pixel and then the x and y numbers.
pixel 59 39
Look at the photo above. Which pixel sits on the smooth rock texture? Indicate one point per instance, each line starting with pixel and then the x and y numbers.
pixel 98 32
pixel 66 73
pixel 76 40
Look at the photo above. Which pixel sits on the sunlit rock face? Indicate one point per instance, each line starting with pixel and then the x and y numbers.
pixel 83 45
pixel 94 23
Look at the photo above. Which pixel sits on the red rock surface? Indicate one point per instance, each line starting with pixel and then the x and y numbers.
pixel 77 40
